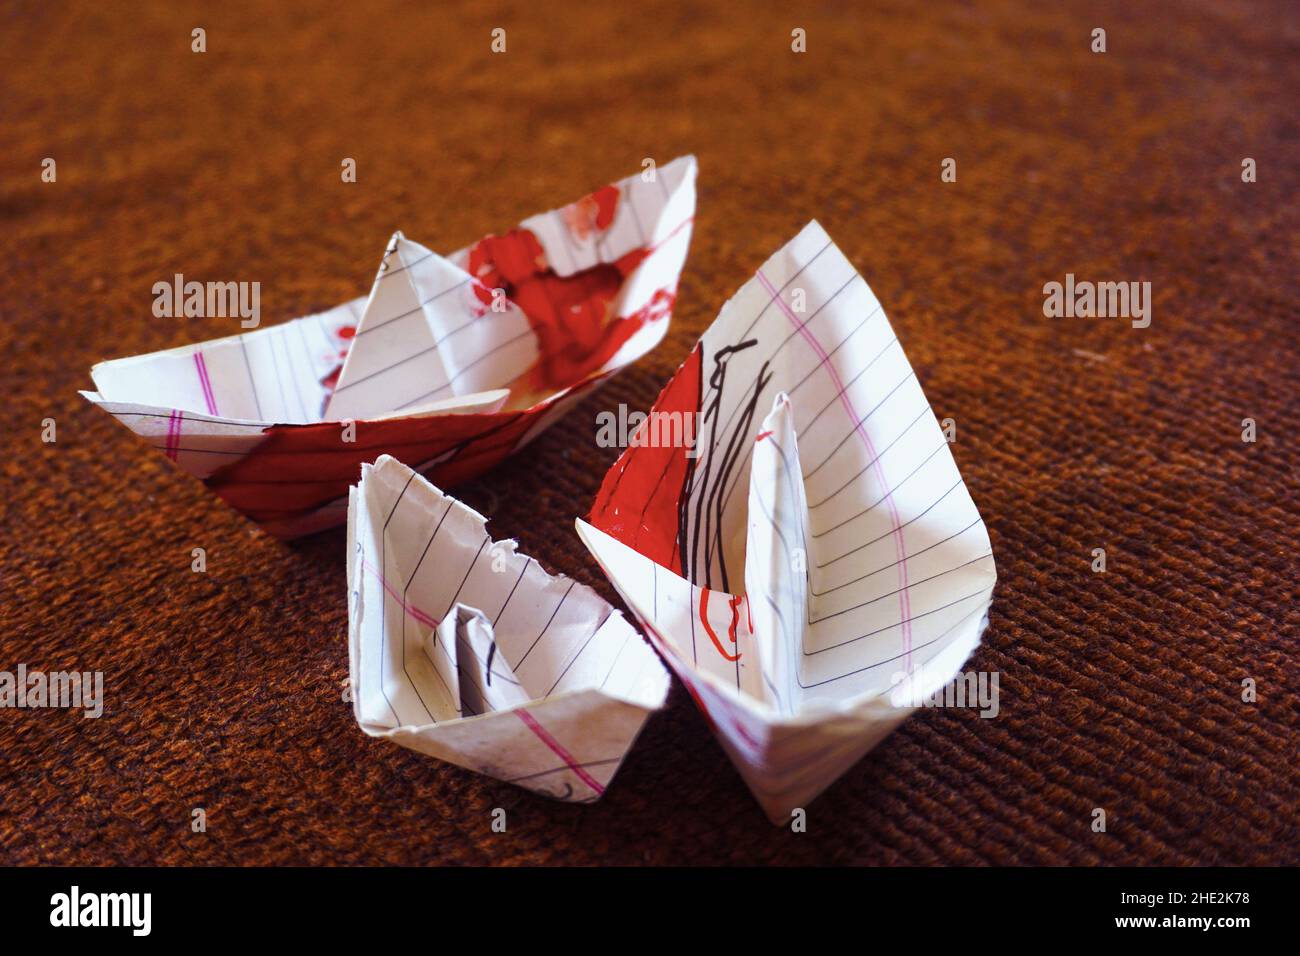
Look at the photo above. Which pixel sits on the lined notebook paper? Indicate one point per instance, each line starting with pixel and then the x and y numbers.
pixel 817 549
pixel 466 650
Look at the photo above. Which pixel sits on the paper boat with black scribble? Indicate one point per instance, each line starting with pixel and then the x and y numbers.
pixel 449 364
pixel 813 567
pixel 464 649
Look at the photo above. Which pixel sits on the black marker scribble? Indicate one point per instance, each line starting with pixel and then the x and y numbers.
pixel 708 503
pixel 554 792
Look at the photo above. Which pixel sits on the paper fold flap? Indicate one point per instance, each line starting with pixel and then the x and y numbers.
pixel 776 557
pixel 484 679
pixel 427 335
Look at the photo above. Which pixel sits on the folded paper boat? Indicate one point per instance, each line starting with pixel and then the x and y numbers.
pixel 450 364
pixel 811 564
pixel 464 649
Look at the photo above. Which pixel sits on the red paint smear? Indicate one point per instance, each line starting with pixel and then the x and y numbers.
pixel 298 468
pixel 760 436
pixel 638 499
pixel 708 628
pixel 347 333
pixel 570 315
pixel 591 214
pixel 689 677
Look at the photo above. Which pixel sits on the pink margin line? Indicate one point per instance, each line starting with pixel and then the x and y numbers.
pixel 422 616
pixel 205 382
pixel 173 434
pixel 531 722
pixel 904 603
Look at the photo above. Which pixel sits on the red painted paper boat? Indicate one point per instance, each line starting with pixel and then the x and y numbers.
pixel 449 364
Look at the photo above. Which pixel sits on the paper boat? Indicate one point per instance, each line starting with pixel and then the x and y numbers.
pixel 811 566
pixel 461 648
pixel 450 364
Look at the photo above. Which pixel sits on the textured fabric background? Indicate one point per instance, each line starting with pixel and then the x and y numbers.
pixel 1120 690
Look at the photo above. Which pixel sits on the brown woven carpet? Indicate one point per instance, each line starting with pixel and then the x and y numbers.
pixel 1121 691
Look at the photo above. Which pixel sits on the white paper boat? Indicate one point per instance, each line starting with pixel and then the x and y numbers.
pixel 435 366
pixel 464 649
pixel 820 567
